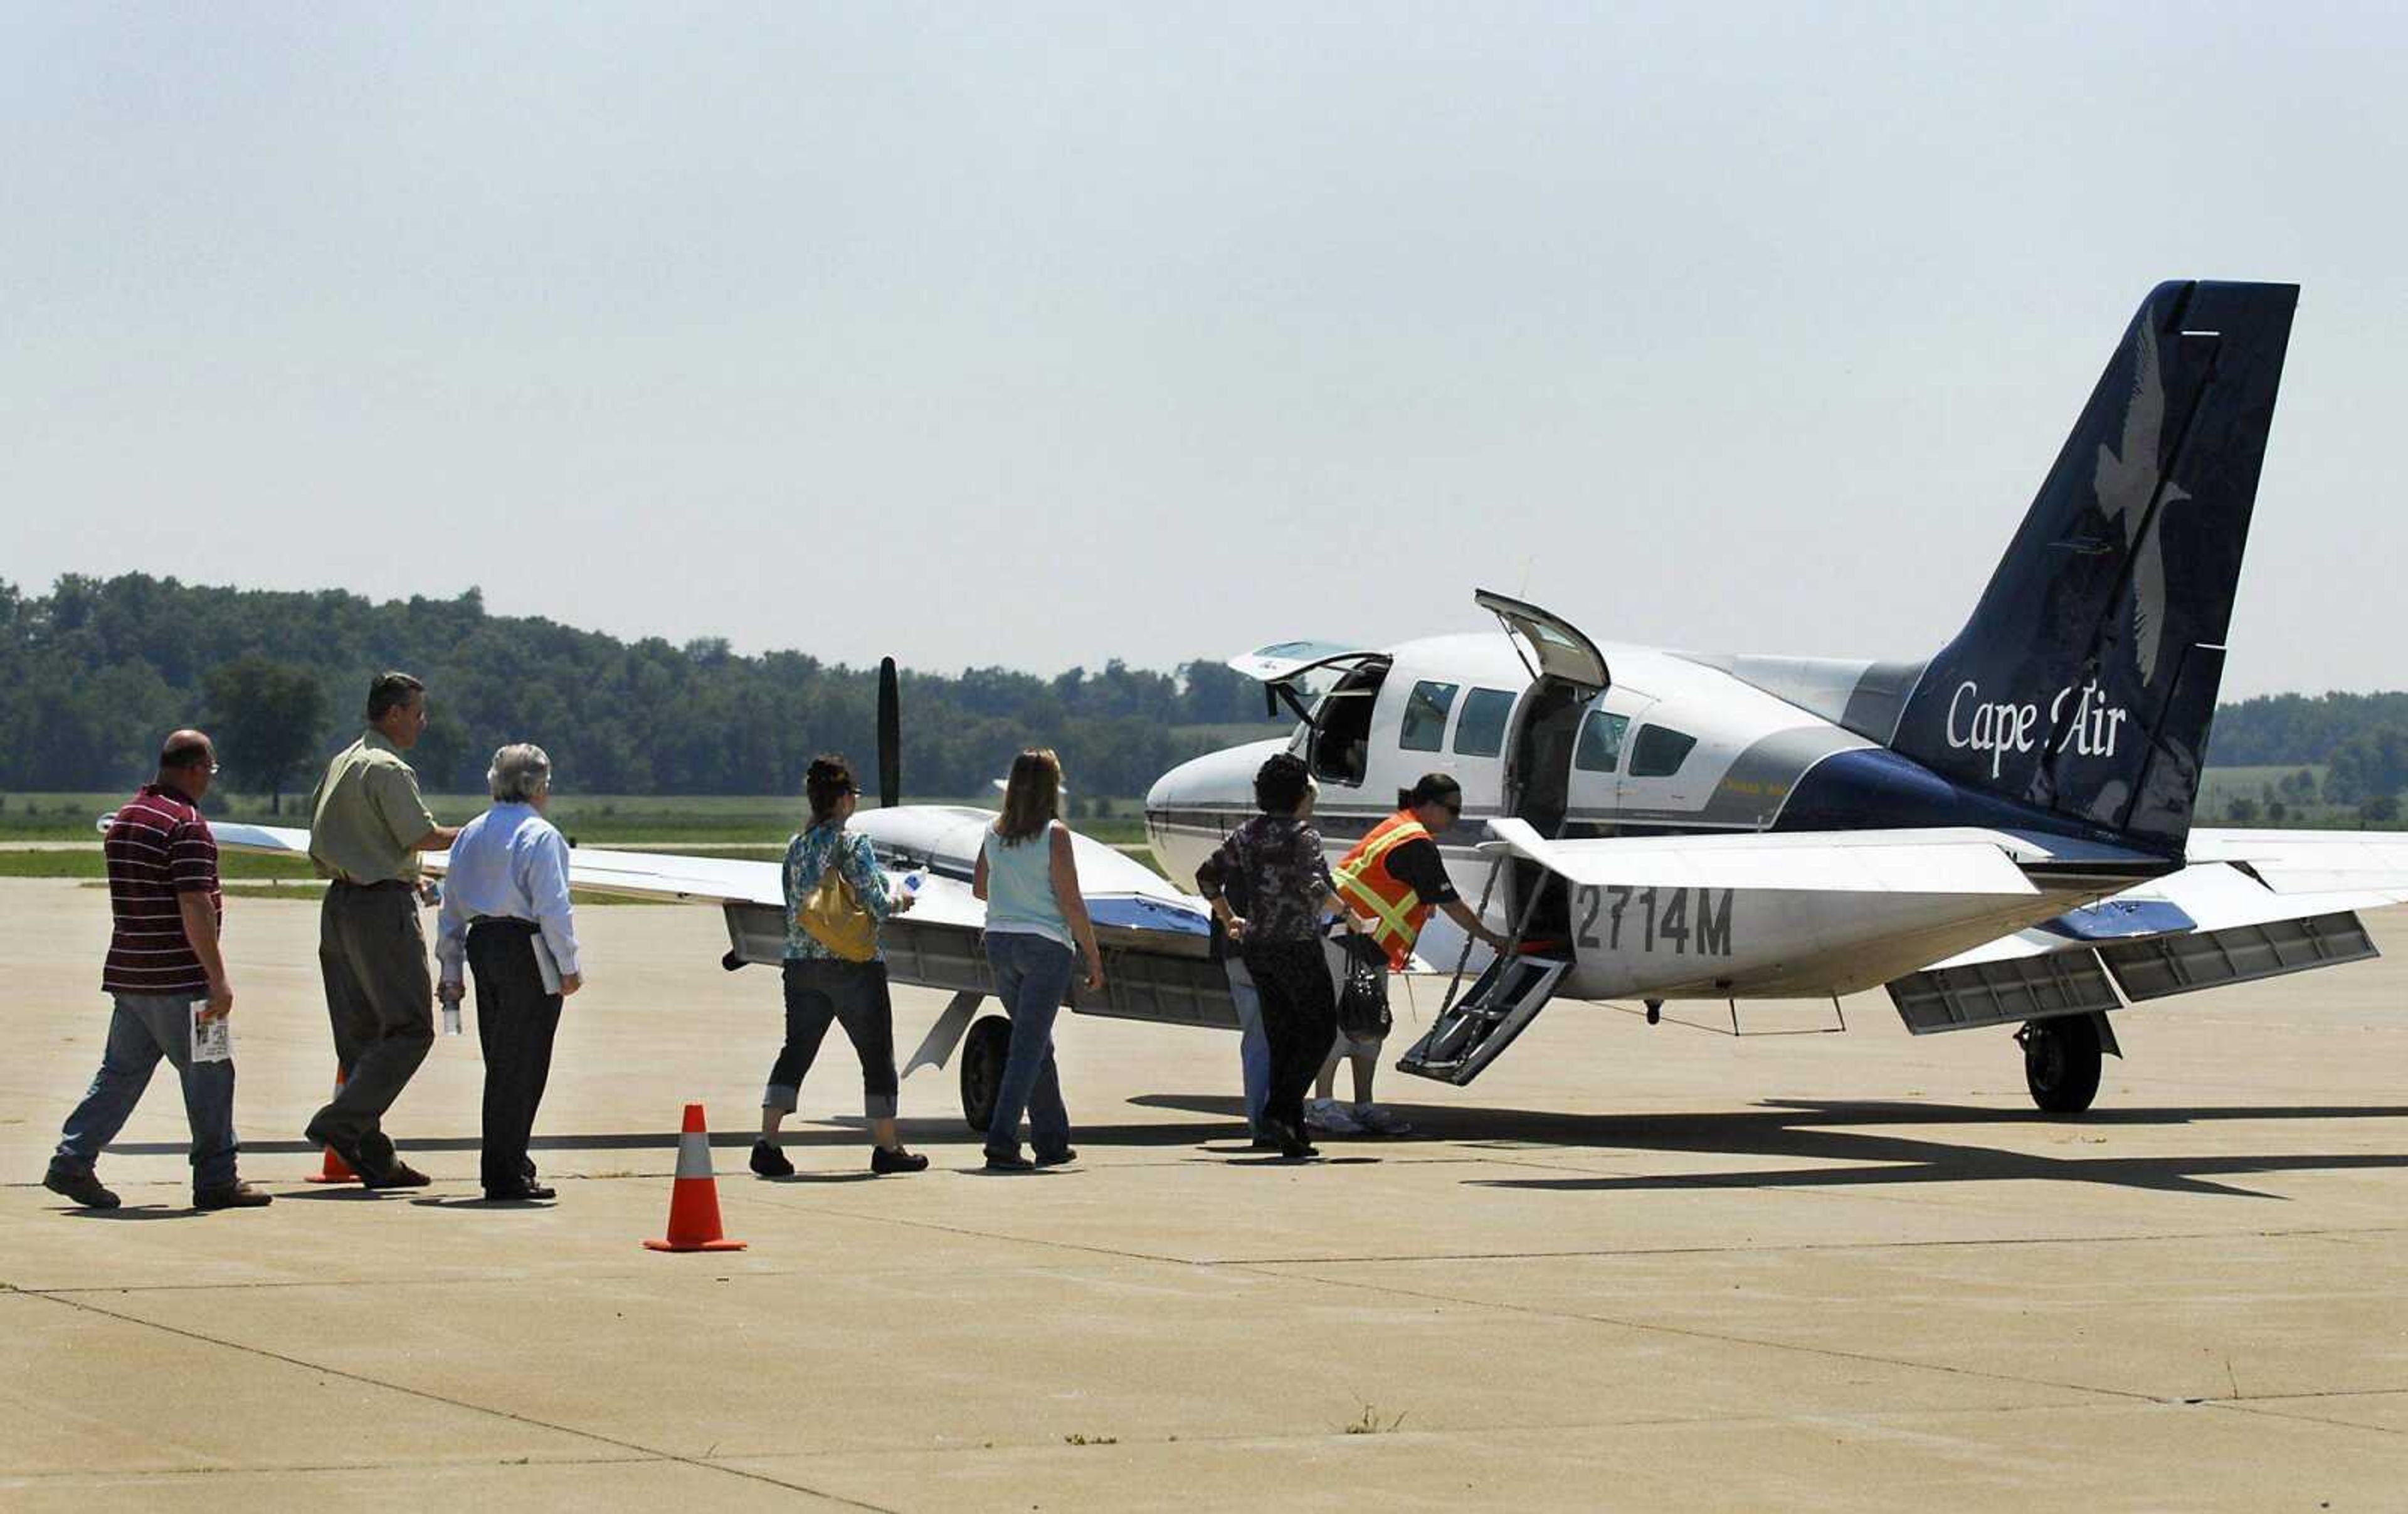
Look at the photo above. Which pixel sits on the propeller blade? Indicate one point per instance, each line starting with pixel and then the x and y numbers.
pixel 890 737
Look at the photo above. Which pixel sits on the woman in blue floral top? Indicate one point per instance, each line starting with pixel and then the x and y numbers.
pixel 821 987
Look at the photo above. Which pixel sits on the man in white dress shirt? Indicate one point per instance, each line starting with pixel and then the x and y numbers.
pixel 506 914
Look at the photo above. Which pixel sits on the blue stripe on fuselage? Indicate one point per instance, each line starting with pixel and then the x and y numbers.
pixel 1872 788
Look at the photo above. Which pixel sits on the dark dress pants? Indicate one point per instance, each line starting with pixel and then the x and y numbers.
pixel 516 1021
pixel 1299 1020
pixel 380 1002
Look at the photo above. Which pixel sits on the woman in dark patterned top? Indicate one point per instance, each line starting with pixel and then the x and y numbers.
pixel 1276 859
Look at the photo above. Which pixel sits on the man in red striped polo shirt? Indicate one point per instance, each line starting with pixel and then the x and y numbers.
pixel 166 975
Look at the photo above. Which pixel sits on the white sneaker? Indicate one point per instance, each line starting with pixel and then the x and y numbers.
pixel 1330 1116
pixel 1379 1121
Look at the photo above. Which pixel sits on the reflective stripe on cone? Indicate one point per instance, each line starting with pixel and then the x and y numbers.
pixel 693 1195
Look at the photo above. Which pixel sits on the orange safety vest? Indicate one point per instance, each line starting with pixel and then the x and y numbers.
pixel 1395 912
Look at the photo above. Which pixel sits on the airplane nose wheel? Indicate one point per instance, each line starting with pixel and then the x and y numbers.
pixel 2062 1062
pixel 983 1055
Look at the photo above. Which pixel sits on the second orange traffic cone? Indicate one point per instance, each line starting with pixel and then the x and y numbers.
pixel 693 1197
pixel 336 1170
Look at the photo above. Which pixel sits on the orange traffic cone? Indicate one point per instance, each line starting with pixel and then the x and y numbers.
pixel 335 1169
pixel 693 1197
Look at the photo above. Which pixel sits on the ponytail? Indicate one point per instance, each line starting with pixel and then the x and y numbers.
pixel 1433 788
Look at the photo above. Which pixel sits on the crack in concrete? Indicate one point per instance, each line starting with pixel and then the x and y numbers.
pixel 653 1452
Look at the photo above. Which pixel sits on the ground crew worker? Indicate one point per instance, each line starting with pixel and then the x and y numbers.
pixel 1391 880
pixel 1394 877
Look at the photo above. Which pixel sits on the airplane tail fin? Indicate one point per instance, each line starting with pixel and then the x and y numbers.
pixel 2084 681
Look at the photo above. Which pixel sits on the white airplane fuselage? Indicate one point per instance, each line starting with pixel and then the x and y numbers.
pixel 1674 745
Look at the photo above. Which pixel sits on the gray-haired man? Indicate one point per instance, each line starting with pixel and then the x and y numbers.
pixel 506 914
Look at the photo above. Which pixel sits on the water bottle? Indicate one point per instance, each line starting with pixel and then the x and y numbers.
pixel 450 1016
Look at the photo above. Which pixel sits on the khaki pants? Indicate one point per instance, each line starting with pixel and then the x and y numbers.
pixel 380 1002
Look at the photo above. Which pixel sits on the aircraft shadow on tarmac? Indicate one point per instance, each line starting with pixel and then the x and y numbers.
pixel 1813 1130
pixel 1786 1131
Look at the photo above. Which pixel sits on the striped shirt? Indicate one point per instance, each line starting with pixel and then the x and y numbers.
pixel 158 848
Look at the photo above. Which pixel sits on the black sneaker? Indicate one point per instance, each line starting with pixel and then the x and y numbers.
pixel 1057 1159
pixel 235 1195
pixel 84 1188
pixel 895 1159
pixel 770 1162
pixel 1008 1162
pixel 1299 1150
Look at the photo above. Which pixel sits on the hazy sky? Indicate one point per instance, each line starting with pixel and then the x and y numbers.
pixel 1041 334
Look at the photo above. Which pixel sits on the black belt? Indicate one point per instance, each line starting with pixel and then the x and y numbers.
pixel 381 886
pixel 504 922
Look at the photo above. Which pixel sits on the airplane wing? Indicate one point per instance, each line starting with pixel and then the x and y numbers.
pixel 2250 904
pixel 1964 860
pixel 1155 940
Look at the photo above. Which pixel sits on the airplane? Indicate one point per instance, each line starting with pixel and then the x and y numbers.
pixel 1999 833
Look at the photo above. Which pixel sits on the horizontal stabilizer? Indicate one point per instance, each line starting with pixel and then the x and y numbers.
pixel 2373 863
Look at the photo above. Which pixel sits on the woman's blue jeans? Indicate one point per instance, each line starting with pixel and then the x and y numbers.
pixel 1031 975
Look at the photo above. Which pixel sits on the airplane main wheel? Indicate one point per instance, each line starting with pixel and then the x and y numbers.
pixel 983 1054
pixel 2062 1062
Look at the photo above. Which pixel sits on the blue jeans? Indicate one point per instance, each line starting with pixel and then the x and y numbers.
pixel 141 1030
pixel 1031 975
pixel 1253 1048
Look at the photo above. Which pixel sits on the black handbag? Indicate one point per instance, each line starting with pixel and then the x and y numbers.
pixel 1363 1002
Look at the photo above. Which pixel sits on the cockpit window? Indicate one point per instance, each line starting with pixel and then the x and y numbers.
pixel 1426 712
pixel 1481 732
pixel 1659 752
pixel 1600 741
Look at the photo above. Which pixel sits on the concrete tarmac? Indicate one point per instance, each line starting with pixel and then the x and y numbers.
pixel 1631 1267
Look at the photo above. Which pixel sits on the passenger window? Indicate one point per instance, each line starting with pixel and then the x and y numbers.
pixel 1659 752
pixel 1481 732
pixel 1424 727
pixel 1600 741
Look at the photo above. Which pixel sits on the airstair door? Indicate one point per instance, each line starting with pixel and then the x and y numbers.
pixel 1475 1030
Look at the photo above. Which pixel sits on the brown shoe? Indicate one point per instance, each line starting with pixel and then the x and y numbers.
pixel 235 1195
pixel 399 1175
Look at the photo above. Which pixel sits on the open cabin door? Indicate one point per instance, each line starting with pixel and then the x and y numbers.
pixel 1562 651
pixel 1337 725
pixel 1566 674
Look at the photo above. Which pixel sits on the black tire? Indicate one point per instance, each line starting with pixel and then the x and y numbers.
pixel 2062 1060
pixel 983 1054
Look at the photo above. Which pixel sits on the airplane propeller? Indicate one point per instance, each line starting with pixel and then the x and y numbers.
pixel 890 737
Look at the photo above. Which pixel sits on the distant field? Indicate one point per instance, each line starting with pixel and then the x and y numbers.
pixel 694 822
pixel 595 819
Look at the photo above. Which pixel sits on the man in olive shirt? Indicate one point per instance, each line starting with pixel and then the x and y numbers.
pixel 368 825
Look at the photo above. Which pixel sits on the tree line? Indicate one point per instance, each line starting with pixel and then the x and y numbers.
pixel 93 673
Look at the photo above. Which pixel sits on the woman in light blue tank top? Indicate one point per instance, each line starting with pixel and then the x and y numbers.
pixel 1028 876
